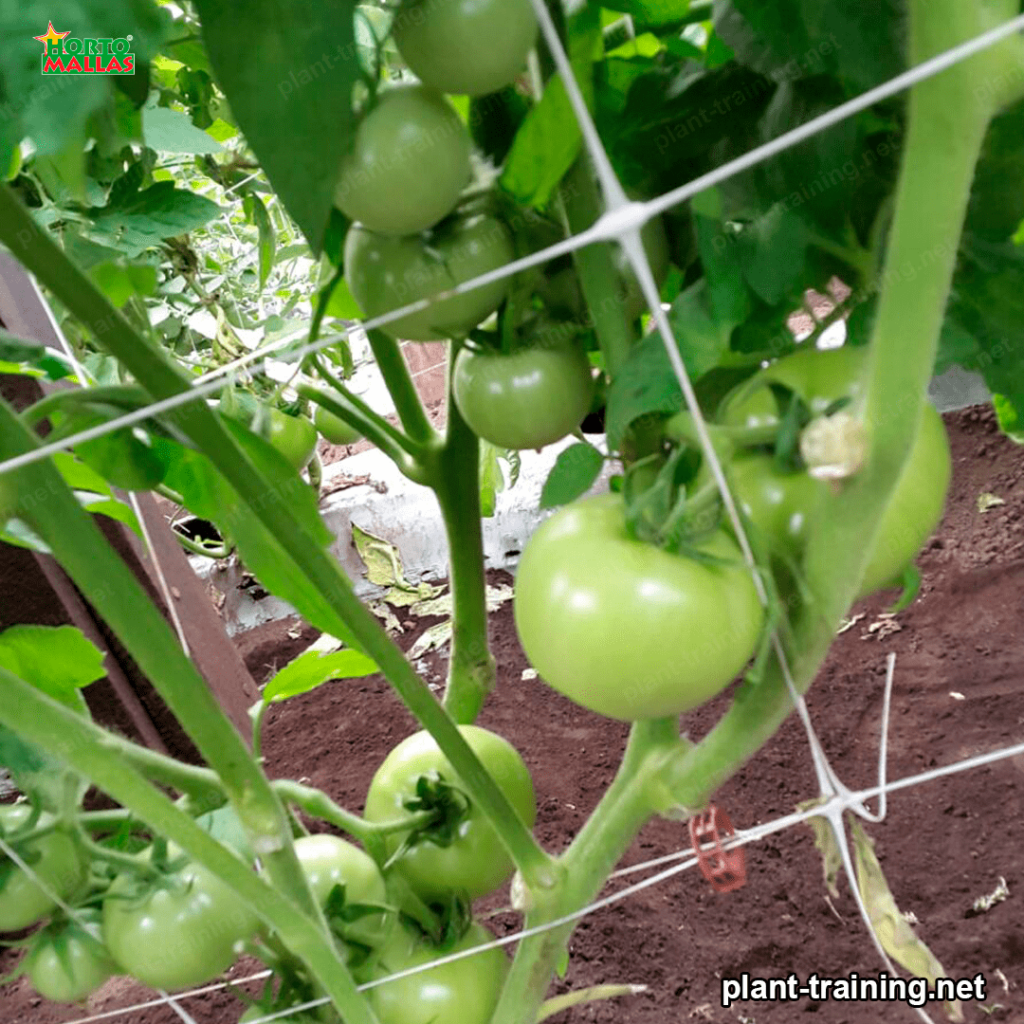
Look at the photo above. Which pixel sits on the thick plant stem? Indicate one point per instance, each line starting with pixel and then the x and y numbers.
pixel 74 740
pixel 596 268
pixel 162 379
pixel 611 829
pixel 472 672
pixel 395 372
pixel 947 126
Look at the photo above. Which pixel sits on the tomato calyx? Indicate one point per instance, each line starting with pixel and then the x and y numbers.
pixel 449 807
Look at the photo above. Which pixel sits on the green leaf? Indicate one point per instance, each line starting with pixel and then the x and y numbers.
pixel 59 661
pixel 650 12
pixel 138 220
pixel 120 282
pixel 1011 418
pixel 574 473
pixel 256 211
pixel 723 271
pixel 313 669
pixel 111 508
pixel 25 357
pixel 208 495
pixel 997 197
pixel 288 71
pixel 862 44
pixel 492 479
pixel 702 335
pixel 772 253
pixel 80 477
pixel 550 139
pixel 645 385
pixel 172 131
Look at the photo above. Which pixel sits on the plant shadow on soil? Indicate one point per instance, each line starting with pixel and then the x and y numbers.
pixel 959 691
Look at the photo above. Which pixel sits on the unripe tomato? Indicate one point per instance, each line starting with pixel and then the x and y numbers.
pixel 528 399
pixel 462 992
pixel 386 273
pixel 67 966
pixel 624 628
pixel 333 428
pixel 293 436
pixel 328 861
pixel 408 165
pixel 782 505
pixel 470 47
pixel 475 862
pixel 55 861
pixel 179 934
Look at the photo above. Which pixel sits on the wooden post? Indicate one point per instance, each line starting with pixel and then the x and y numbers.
pixel 40 592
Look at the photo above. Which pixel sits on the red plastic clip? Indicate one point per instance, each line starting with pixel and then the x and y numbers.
pixel 726 870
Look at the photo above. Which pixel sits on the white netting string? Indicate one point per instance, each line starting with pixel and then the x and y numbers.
pixel 622 223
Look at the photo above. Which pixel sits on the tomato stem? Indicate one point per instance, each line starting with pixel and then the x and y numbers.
pixel 400 384
pixel 472 671
pixel 596 268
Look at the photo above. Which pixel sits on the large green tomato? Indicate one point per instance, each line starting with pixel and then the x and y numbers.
pixel 408 165
pixel 179 935
pixel 55 862
pixel 386 273
pixel 333 428
pixel 293 436
pixel 69 965
pixel 782 505
pixel 462 992
pixel 624 628
pixel 475 862
pixel 468 47
pixel 528 399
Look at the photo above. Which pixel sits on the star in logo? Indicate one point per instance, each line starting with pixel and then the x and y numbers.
pixel 52 36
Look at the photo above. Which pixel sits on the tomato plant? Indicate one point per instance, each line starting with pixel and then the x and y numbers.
pixel 408 165
pixel 293 436
pixel 468 46
pixel 386 274
pixel 333 428
pixel 628 630
pixel 54 860
pixel 66 964
pixel 177 933
pixel 783 504
pixel 527 399
pixel 472 860
pixel 465 990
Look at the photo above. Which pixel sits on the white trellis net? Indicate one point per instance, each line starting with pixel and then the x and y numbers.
pixel 622 222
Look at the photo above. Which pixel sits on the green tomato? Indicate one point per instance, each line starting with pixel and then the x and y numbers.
pixel 329 861
pixel 386 273
pixel 528 399
pixel 466 47
pixel 293 436
pixel 54 860
pixel 475 862
pixel 178 935
pixel 462 992
pixel 409 163
pixel 624 628
pixel 68 965
pixel 333 428
pixel 782 505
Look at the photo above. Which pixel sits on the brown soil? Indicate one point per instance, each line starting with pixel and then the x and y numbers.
pixel 958 692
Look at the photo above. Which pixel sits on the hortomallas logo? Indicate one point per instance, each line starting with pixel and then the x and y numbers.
pixel 65 55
